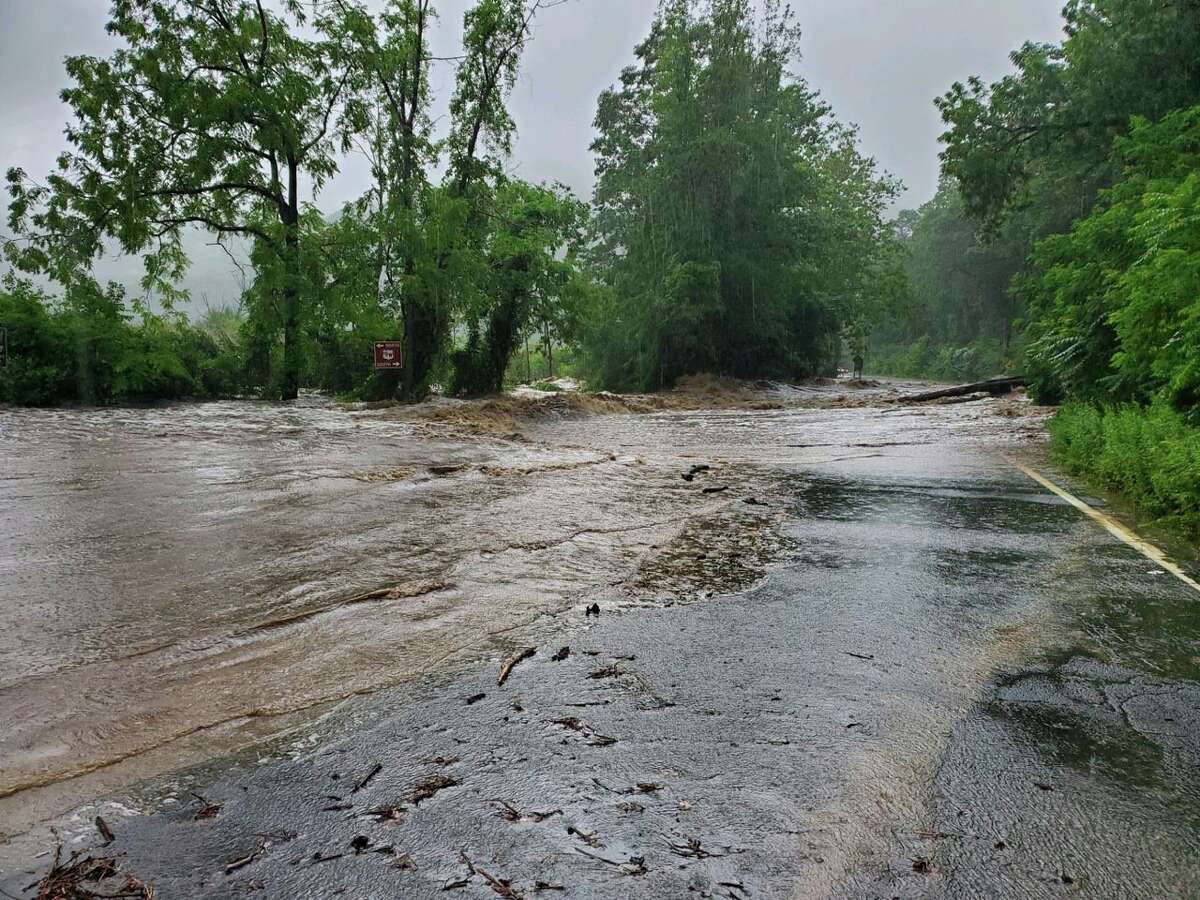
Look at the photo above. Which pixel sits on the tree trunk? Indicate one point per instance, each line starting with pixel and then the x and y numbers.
pixel 289 382
pixel 993 386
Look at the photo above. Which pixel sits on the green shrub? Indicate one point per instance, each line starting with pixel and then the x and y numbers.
pixel 1150 454
pixel 87 348
pixel 924 359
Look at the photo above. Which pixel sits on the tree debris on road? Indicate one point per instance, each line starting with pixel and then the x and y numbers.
pixel 993 386
pixel 65 881
pixel 511 661
pixel 428 786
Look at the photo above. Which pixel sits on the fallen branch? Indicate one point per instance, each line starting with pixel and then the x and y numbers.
pixel 502 887
pixel 636 865
pixel 993 386
pixel 366 779
pixel 511 661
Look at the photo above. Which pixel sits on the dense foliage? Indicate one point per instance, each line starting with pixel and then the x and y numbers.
pixel 735 221
pixel 956 321
pixel 91 348
pixel 1150 454
pixel 221 115
pixel 1115 302
pixel 1028 156
pixel 1087 160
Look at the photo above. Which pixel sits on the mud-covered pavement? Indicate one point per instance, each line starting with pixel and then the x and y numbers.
pixel 901 669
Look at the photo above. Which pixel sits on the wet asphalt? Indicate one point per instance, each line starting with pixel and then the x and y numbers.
pixel 947 683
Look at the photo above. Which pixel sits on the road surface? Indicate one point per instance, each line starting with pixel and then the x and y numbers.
pixel 874 660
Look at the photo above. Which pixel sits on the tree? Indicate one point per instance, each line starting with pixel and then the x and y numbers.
pixel 529 280
pixel 1114 302
pixel 1040 140
pixel 735 220
pixel 429 239
pixel 209 116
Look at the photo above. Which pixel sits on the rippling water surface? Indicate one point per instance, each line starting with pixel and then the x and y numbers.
pixel 178 581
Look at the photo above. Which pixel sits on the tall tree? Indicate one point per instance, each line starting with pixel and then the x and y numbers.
pixel 734 218
pixel 1041 138
pixel 209 115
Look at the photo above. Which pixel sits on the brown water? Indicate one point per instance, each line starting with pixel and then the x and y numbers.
pixel 178 582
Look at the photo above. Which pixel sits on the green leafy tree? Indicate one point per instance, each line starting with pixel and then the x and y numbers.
pixel 735 220
pixel 1115 303
pixel 1040 140
pixel 530 280
pixel 208 116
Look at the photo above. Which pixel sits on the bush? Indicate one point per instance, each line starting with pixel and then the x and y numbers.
pixel 977 360
pixel 88 349
pixel 1150 454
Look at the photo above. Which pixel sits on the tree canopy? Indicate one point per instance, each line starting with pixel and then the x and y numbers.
pixel 734 218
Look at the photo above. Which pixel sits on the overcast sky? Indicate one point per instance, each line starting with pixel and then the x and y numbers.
pixel 879 63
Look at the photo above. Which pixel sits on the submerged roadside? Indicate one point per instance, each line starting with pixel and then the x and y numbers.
pixel 854 724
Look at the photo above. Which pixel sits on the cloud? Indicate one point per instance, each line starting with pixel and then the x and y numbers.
pixel 879 63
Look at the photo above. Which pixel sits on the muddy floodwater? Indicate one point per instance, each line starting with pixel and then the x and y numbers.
pixel 186 584
pixel 179 581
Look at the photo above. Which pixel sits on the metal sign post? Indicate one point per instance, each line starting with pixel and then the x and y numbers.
pixel 389 356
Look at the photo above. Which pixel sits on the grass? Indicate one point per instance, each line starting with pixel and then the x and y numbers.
pixel 1151 455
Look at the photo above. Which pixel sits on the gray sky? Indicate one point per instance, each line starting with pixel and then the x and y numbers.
pixel 879 63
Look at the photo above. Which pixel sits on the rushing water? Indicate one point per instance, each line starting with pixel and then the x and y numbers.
pixel 177 582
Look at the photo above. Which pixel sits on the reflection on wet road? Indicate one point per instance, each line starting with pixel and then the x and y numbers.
pixel 943 681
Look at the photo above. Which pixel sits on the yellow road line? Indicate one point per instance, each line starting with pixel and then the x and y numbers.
pixel 1114 527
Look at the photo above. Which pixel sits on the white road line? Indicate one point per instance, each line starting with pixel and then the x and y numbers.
pixel 1114 527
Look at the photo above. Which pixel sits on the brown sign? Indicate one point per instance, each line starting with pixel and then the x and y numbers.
pixel 389 355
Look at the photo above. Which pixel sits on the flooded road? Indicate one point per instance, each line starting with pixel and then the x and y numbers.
pixel 904 629
pixel 179 581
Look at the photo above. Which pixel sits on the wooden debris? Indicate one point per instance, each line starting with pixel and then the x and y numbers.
pixel 592 839
pixel 993 386
pixel 571 723
pixel 475 698
pixel 510 813
pixel 66 880
pixel 859 655
pixel 511 661
pixel 606 672
pixel 547 886
pixel 502 887
pixel 561 654
pixel 105 831
pixel 692 849
pixel 207 810
pixel 716 490
pixel 242 861
pixel 428 786
pixel 635 867
pixel 366 779
pixel 392 815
